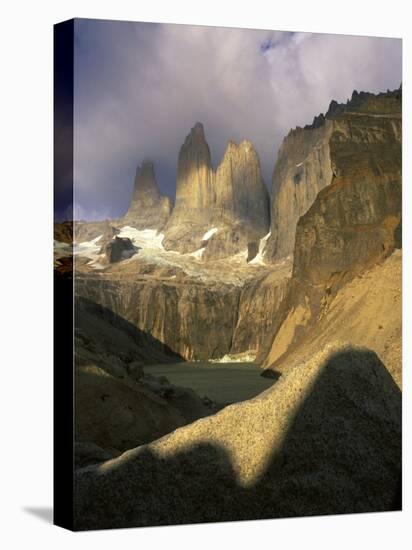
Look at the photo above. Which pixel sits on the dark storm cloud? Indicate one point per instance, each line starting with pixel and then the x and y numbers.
pixel 140 87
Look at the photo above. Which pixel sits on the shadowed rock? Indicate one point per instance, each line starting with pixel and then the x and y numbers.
pixel 148 208
pixel 326 439
pixel 117 406
pixel 118 249
pixel 194 320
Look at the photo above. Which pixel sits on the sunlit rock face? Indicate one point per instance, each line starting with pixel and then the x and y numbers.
pixel 353 226
pixel 148 208
pixel 194 188
pixel 333 145
pixel 192 214
pixel 240 191
pixel 355 222
pixel 233 200
pixel 302 169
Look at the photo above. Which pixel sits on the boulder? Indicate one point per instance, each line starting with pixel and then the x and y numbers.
pixel 118 249
pixel 325 439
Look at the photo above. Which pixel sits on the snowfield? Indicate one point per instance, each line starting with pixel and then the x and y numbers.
pixel 149 249
pixel 209 234
pixel 144 238
pixel 87 248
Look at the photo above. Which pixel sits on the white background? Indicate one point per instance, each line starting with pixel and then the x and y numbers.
pixel 26 274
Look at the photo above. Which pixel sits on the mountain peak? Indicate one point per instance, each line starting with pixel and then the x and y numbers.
pixel 145 181
pixel 198 129
pixel 148 209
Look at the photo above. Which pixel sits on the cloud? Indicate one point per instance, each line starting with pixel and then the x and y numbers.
pixel 140 87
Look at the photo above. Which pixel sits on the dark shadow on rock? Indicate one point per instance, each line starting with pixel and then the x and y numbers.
pixel 341 454
pixel 87 316
pixel 269 373
pixel 343 450
pixel 117 405
pixel 43 513
pixel 194 486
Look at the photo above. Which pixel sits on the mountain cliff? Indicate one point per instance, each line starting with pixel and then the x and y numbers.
pixel 217 212
pixel 206 310
pixel 352 227
pixel 148 208
pixel 309 157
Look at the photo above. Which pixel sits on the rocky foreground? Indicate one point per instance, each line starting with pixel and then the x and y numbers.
pixel 325 440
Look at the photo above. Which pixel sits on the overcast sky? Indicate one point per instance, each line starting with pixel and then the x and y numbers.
pixel 140 87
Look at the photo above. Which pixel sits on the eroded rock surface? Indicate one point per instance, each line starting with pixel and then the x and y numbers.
pixel 199 315
pixel 195 321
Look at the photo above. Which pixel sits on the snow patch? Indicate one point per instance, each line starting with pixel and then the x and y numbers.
pixel 64 247
pixel 87 248
pixel 259 259
pixel 197 254
pixel 144 238
pixel 209 233
pixel 96 265
pixel 243 357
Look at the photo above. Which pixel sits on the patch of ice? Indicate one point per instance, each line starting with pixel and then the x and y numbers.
pixel 65 247
pixel 87 248
pixel 243 357
pixel 96 265
pixel 258 259
pixel 209 234
pixel 198 253
pixel 143 238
